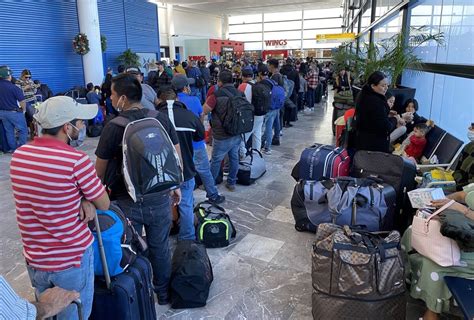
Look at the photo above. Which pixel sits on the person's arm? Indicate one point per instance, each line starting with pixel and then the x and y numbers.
pixel 459 196
pixel 23 104
pixel 52 301
pixel 100 167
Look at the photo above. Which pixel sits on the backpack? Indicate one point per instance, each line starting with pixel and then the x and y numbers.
pixel 214 229
pixel 200 82
pixel 238 115
pixel 277 95
pixel 120 240
pixel 261 99
pixel 191 275
pixel 150 161
pixel 288 85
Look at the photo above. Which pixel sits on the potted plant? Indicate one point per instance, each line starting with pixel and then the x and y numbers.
pixel 129 59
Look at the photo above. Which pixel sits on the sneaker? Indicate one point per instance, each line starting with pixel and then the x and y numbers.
pixel 217 199
pixel 163 298
pixel 275 142
pixel 267 151
pixel 230 187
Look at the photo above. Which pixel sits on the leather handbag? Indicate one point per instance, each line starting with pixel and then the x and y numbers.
pixel 426 238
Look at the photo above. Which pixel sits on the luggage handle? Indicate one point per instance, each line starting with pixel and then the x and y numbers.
pixel 102 252
pixel 211 205
pixel 79 307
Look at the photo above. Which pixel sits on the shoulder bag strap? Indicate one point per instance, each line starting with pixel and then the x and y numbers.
pixel 120 121
pixel 437 212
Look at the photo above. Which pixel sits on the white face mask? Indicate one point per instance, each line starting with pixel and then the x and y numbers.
pixel 69 137
pixel 470 135
pixel 120 107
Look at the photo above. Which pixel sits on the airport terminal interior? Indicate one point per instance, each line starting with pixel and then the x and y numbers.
pixel 325 167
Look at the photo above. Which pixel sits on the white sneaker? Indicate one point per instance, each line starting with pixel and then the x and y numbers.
pixel 268 152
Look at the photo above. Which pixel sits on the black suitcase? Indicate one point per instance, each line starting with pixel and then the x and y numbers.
pixel 398 172
pixel 127 296
pixel 318 94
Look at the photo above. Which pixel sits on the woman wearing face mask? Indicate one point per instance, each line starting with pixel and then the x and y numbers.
pixel 464 172
pixel 373 125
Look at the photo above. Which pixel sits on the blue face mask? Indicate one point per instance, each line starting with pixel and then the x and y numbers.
pixel 470 135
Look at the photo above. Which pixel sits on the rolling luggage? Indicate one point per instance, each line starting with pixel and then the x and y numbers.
pixel 251 168
pixel 128 295
pixel 396 171
pixel 191 275
pixel 357 274
pixel 323 161
pixel 350 201
pixel 318 93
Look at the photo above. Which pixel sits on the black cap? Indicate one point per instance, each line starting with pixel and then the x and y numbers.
pixel 262 69
pixel 247 72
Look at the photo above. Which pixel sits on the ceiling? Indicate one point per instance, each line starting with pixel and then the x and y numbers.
pixel 239 7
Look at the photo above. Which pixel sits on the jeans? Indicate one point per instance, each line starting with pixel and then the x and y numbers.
pixel 204 93
pixel 186 206
pixel 14 121
pixel 201 163
pixel 219 149
pixel 153 213
pixel 271 117
pixel 256 135
pixel 79 279
pixel 310 97
pixel 397 133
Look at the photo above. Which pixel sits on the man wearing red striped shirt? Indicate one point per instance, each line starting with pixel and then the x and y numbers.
pixel 57 191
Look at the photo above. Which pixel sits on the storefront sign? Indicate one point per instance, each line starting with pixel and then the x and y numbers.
pixel 275 43
pixel 227 49
pixel 335 37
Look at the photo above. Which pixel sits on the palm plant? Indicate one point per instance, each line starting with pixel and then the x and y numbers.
pixel 129 59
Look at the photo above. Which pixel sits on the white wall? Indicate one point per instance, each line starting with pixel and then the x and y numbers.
pixel 189 25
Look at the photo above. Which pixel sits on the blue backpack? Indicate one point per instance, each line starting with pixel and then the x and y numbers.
pixel 121 241
pixel 277 95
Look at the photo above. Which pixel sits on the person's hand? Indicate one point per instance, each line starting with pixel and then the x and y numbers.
pixel 455 206
pixel 54 300
pixel 407 116
pixel 175 196
pixel 87 211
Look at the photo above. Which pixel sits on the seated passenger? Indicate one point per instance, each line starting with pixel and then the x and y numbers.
pixel 413 146
pixel 399 128
pixel 426 277
pixel 411 108
pixel 464 171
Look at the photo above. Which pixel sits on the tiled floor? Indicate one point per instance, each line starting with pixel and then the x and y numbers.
pixel 264 273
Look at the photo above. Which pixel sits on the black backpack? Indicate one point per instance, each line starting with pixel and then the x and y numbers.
pixel 200 82
pixel 261 98
pixel 238 115
pixel 191 275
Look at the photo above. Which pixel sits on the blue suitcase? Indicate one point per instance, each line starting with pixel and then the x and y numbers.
pixel 127 296
pixel 323 161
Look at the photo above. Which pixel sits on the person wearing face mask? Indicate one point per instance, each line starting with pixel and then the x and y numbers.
pixel 464 172
pixel 373 125
pixel 153 211
pixel 56 192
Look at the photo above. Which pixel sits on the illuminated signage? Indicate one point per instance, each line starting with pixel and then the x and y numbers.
pixel 335 37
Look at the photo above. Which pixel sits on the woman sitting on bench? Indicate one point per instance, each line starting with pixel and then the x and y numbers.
pixel 425 276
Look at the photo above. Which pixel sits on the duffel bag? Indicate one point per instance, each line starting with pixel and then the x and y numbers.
pixel 349 201
pixel 214 228
pixel 356 269
pixel 302 223
pixel 191 275
pixel 251 167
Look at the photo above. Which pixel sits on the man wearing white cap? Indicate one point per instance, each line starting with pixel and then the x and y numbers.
pixel 57 191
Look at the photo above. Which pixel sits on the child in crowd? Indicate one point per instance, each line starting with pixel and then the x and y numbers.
pixel 413 146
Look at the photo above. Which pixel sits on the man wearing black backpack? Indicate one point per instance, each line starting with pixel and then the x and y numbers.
pixel 152 211
pixel 227 104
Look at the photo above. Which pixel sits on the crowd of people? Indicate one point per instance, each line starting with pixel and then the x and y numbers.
pixel 54 184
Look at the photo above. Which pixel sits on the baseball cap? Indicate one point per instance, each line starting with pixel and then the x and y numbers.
pixel 59 110
pixel 247 72
pixel 133 70
pixel 5 72
pixel 180 81
pixel 263 69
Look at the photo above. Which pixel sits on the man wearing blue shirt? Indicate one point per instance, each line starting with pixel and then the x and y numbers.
pixel 180 84
pixel 12 104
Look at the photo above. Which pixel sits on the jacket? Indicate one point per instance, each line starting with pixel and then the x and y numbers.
pixel 464 172
pixel 416 147
pixel 189 128
pixel 291 73
pixel 372 124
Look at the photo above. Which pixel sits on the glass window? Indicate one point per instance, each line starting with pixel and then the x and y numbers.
pixel 289 35
pixel 442 99
pixel 277 26
pixel 245 19
pixel 366 16
pixel 323 13
pixel 246 36
pixel 384 6
pixel 388 28
pixel 313 44
pixel 239 28
pixel 282 16
pixel 323 23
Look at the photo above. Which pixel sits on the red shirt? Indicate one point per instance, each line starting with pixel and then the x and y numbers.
pixel 49 179
pixel 313 79
pixel 416 147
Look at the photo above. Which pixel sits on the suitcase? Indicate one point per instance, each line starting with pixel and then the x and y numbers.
pixel 251 168
pixel 323 161
pixel 398 172
pixel 126 296
pixel 318 93
pixel 350 201
pixel 357 274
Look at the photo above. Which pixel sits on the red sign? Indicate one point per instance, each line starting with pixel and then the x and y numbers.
pixel 282 42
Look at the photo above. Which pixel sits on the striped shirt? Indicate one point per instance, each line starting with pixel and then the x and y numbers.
pixel 49 179
pixel 12 306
